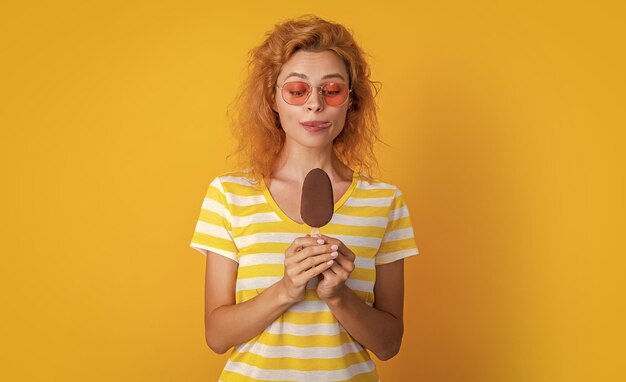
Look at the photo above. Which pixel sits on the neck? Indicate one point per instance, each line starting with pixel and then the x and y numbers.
pixel 294 163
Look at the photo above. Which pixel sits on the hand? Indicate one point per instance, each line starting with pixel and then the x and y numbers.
pixel 335 277
pixel 306 258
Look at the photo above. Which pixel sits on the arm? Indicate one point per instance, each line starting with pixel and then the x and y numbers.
pixel 253 316
pixel 379 328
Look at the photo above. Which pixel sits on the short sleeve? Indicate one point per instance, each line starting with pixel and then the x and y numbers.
pixel 398 241
pixel 213 229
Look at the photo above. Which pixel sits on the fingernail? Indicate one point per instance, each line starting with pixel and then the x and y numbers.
pixel 334 247
pixel 320 241
pixel 330 262
pixel 334 254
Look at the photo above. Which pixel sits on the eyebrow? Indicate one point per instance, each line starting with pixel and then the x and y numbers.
pixel 304 76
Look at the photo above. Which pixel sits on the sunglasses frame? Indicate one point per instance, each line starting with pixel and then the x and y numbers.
pixel 321 89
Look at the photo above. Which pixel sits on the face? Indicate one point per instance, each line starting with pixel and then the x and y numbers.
pixel 315 123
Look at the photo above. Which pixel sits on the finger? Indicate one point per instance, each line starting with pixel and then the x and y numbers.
pixel 345 262
pixel 312 262
pixel 314 251
pixel 339 272
pixel 342 247
pixel 300 243
pixel 346 251
pixel 313 272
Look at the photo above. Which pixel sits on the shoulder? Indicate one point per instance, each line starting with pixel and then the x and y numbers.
pixel 367 183
pixel 234 187
pixel 234 180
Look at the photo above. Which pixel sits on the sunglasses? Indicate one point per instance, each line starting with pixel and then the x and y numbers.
pixel 298 92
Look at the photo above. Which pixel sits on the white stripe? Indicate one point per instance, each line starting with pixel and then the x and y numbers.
pixel 237 179
pixel 368 202
pixel 360 285
pixel 213 230
pixel 217 207
pixel 274 237
pixel 399 213
pixel 398 234
pixel 253 283
pixel 204 248
pixel 364 262
pixel 256 283
pixel 261 217
pixel 278 327
pixel 384 258
pixel 359 221
pixel 289 237
pixel 217 184
pixel 262 258
pixel 361 241
pixel 244 201
pixel 269 351
pixel 279 258
pixel 365 185
pixel 309 306
pixel 298 375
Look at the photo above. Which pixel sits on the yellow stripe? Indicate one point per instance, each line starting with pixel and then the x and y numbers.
pixel 382 212
pixel 270 227
pixel 365 252
pixel 237 210
pixel 213 218
pixel 397 245
pixel 376 193
pixel 278 270
pixel 240 189
pixel 213 241
pixel 404 222
pixel 215 194
pixel 353 230
pixel 261 270
pixel 304 341
pixel 310 295
pixel 363 274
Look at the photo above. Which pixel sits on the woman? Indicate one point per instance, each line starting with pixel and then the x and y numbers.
pixel 296 307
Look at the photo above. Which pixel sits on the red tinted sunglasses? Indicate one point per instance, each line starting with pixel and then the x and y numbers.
pixel 298 92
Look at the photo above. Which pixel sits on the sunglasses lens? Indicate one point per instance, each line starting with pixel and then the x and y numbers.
pixel 335 93
pixel 296 93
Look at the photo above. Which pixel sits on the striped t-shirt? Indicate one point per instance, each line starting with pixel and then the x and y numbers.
pixel 306 343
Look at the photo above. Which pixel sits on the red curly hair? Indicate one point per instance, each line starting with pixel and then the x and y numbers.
pixel 256 126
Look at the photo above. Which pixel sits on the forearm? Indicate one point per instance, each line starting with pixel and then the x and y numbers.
pixel 230 325
pixel 376 330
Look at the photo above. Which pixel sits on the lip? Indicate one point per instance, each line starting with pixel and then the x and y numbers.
pixel 314 126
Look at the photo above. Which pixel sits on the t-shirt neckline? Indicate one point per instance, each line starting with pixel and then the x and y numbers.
pixel 270 200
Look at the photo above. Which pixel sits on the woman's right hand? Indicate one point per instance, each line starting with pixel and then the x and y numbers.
pixel 305 258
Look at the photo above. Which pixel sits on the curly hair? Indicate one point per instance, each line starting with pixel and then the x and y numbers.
pixel 256 126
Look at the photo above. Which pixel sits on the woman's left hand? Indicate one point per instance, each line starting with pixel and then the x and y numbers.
pixel 334 278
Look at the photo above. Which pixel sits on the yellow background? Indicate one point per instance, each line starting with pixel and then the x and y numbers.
pixel 504 122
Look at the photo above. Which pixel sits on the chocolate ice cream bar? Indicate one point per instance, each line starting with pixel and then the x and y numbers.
pixel 317 205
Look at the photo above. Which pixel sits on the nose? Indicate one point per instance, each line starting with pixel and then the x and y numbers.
pixel 315 101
